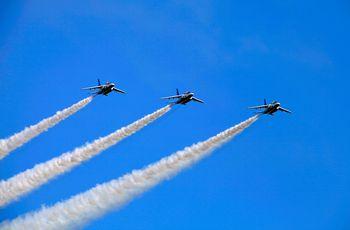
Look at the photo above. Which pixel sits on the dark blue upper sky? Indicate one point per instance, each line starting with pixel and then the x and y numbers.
pixel 285 172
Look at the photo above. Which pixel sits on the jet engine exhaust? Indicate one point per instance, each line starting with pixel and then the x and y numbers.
pixel 17 140
pixel 31 179
pixel 94 203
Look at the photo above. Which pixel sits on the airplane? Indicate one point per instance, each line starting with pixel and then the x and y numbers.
pixel 271 108
pixel 184 98
pixel 104 89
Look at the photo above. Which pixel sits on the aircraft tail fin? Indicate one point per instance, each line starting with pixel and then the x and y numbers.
pixel 265 102
pixel 98 82
pixel 177 92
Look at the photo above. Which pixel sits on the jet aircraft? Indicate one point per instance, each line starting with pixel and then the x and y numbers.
pixel 103 89
pixel 271 108
pixel 184 98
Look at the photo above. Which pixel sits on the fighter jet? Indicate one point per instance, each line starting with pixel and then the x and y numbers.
pixel 271 108
pixel 184 98
pixel 103 89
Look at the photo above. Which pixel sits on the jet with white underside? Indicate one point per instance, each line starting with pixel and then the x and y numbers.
pixel 270 108
pixel 103 89
pixel 183 98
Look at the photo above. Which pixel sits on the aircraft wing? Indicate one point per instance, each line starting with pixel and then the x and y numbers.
pixel 172 97
pixel 258 107
pixel 284 110
pixel 197 100
pixel 118 90
pixel 93 87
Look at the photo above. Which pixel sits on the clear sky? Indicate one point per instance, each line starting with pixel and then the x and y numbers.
pixel 285 172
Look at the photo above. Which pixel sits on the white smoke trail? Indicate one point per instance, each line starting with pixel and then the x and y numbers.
pixel 31 179
pixel 85 207
pixel 17 140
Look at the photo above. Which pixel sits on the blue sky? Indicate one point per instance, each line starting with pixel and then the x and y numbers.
pixel 285 172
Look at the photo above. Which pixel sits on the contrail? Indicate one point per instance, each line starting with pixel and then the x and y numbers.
pixel 23 183
pixel 17 140
pixel 87 206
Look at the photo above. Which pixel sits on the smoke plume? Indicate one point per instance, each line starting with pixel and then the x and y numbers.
pixel 85 207
pixel 31 179
pixel 17 140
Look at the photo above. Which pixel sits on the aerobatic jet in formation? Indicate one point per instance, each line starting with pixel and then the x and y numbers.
pixel 103 89
pixel 184 98
pixel 271 108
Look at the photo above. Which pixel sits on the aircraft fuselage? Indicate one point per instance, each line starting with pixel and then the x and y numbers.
pixel 106 89
pixel 271 109
pixel 185 99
